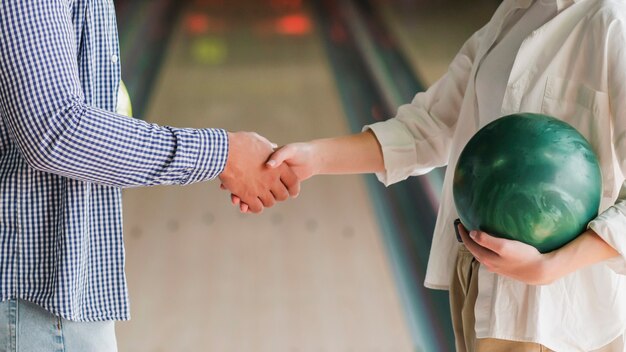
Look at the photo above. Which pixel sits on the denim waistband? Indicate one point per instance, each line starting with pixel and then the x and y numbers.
pixel 26 327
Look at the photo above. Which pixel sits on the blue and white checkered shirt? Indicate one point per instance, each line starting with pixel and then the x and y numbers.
pixel 65 155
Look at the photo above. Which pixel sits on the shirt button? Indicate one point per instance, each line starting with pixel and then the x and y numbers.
pixel 114 58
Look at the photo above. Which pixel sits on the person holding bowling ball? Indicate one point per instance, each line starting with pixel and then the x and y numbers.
pixel 562 58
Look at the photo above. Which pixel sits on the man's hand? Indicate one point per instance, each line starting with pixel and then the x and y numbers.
pixel 247 176
pixel 299 157
pixel 510 258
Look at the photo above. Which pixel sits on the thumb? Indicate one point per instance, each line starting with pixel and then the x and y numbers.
pixel 279 156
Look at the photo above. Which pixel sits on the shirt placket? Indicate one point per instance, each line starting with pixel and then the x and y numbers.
pixel 515 89
pixel 493 36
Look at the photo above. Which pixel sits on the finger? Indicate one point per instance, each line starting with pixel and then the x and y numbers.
pixel 279 191
pixel 267 199
pixel 279 156
pixel 255 206
pixel 480 253
pixel 235 200
pixel 291 182
pixel 492 243
pixel 243 207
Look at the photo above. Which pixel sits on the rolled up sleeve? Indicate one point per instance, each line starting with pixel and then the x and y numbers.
pixel 418 138
pixel 610 225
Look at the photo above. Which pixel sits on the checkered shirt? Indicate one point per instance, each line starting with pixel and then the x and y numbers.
pixel 65 156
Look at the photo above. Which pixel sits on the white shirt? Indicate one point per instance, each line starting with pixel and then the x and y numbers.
pixel 573 68
pixel 493 73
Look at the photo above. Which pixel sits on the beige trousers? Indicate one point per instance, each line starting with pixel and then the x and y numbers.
pixel 463 292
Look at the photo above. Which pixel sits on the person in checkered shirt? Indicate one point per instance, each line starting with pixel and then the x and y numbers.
pixel 65 155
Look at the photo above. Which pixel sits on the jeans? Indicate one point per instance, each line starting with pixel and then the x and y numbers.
pixel 26 327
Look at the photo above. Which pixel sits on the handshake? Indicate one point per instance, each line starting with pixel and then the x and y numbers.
pixel 257 176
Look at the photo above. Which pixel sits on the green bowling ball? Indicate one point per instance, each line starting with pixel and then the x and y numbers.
pixel 528 177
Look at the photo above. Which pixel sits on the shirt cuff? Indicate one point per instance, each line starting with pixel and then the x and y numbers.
pixel 399 152
pixel 212 154
pixel 611 227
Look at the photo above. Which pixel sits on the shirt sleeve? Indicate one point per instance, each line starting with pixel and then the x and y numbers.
pixel 610 225
pixel 46 115
pixel 418 138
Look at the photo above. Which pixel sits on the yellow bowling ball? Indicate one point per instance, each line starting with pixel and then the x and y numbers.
pixel 124 106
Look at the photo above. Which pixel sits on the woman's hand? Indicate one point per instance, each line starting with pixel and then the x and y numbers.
pixel 525 263
pixel 300 157
pixel 509 258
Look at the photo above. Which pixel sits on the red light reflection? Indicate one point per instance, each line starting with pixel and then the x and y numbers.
pixel 293 25
pixel 201 23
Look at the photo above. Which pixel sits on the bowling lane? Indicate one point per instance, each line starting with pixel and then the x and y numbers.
pixel 308 275
pixel 432 32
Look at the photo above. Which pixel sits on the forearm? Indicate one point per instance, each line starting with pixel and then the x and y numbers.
pixel 353 154
pixel 587 249
pixel 98 146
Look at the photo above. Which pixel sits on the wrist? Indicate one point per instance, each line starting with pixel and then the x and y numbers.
pixel 233 140
pixel 316 156
pixel 551 267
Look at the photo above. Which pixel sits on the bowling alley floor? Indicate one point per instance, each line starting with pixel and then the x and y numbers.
pixel 312 274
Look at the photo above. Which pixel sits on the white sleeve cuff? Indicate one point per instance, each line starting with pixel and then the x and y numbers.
pixel 611 227
pixel 399 152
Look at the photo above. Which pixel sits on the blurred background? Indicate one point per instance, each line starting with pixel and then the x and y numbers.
pixel 341 267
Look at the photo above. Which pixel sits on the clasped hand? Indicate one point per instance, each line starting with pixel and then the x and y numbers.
pixel 249 179
pixel 510 258
pixel 295 164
